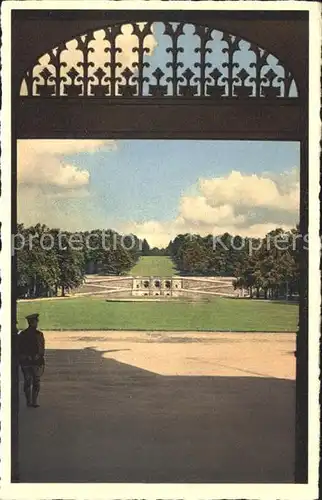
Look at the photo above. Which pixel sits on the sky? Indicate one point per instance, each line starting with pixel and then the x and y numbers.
pixel 157 189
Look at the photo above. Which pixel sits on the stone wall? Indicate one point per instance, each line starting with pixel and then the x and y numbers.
pixel 214 285
pixel 155 286
pixel 147 286
pixel 98 285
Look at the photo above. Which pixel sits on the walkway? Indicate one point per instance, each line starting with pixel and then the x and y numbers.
pixel 162 407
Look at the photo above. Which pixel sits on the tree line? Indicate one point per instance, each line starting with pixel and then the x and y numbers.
pixel 261 267
pixel 148 251
pixel 51 263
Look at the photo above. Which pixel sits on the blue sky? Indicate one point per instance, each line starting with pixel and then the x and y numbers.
pixel 159 188
pixel 144 179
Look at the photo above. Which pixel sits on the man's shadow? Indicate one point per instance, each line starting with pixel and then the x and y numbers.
pixel 105 421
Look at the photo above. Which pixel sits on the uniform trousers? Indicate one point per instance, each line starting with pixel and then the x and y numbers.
pixel 32 375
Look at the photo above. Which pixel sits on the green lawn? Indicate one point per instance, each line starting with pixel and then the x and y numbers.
pixel 154 266
pixel 219 314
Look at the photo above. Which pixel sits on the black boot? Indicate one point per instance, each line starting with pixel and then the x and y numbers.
pixel 27 391
pixel 35 392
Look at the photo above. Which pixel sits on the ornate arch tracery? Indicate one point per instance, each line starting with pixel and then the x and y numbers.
pixel 189 60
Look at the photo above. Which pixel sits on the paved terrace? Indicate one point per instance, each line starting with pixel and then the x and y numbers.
pixel 162 407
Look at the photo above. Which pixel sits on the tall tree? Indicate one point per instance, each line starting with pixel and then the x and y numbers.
pixel 145 248
pixel 118 261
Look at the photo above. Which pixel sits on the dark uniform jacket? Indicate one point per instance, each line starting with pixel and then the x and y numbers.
pixel 31 347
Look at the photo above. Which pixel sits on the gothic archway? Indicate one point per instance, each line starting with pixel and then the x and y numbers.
pixel 211 98
pixel 227 83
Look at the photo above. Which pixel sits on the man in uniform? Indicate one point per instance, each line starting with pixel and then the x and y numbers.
pixel 31 351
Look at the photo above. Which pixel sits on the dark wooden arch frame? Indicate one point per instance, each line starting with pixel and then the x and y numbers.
pixel 284 34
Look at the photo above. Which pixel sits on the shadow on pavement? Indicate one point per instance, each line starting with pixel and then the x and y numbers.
pixel 104 421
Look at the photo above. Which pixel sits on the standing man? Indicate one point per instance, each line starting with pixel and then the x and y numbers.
pixel 31 351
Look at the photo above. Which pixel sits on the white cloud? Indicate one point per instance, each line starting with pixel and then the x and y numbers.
pixel 51 172
pixel 65 146
pixel 45 177
pixel 260 230
pixel 248 205
pixel 197 209
pixel 157 233
pixel 41 162
pixel 252 191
